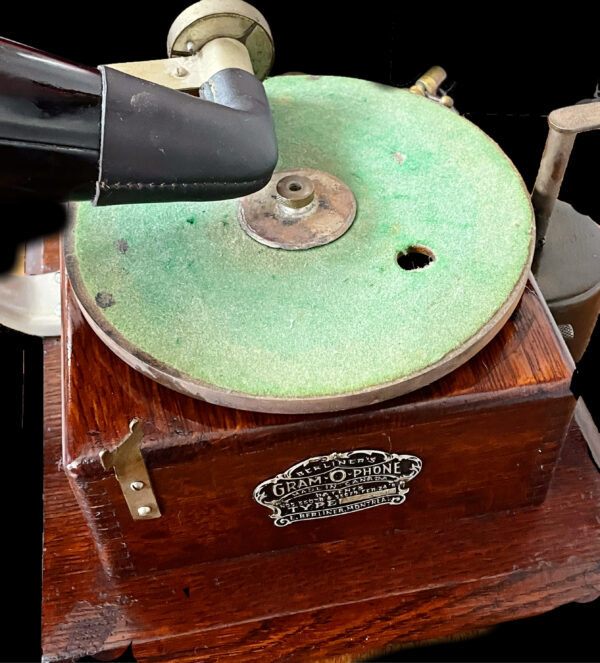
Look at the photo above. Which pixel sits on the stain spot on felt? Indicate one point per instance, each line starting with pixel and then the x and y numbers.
pixel 400 158
pixel 105 300
pixel 122 245
pixel 191 220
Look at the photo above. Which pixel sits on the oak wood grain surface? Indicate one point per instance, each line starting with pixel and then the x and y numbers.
pixel 341 597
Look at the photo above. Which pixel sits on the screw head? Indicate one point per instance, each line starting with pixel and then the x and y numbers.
pixel 137 485
pixel 567 331
pixel 144 511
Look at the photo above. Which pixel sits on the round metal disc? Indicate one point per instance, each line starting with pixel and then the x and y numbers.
pixel 432 266
pixel 205 20
pixel 291 218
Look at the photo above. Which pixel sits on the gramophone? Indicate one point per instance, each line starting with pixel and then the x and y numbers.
pixel 358 350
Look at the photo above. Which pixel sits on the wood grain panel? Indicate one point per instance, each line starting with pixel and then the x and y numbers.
pixel 324 599
pixel 347 595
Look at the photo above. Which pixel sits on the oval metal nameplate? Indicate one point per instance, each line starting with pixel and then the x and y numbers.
pixel 327 486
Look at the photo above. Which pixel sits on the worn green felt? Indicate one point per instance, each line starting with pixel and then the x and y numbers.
pixel 187 285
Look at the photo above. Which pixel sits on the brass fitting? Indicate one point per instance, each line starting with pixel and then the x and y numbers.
pixel 429 82
pixel 427 86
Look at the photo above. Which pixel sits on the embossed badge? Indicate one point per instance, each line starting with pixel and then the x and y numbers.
pixel 326 486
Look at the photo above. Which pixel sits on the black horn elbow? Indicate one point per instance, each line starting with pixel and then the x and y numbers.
pixel 161 145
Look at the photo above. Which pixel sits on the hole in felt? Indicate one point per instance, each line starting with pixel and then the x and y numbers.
pixel 415 257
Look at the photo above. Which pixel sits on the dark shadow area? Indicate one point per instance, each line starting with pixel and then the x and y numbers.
pixel 21 493
pixel 564 634
pixel 126 657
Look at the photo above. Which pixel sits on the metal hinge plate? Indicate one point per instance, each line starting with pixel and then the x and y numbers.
pixel 132 474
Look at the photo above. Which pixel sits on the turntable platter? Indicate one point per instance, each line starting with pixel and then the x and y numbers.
pixel 429 268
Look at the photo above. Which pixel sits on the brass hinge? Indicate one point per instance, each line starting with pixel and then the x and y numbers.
pixel 132 474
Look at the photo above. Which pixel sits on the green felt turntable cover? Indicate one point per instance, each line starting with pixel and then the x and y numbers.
pixel 181 291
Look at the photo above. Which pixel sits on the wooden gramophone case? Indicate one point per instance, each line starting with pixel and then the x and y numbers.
pixel 489 435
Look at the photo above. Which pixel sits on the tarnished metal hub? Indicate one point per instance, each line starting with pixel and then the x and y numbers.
pixel 298 209
pixel 296 191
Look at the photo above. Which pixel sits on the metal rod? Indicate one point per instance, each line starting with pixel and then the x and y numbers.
pixel 549 179
pixel 564 125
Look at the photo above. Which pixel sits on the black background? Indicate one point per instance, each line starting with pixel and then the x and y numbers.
pixel 508 67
